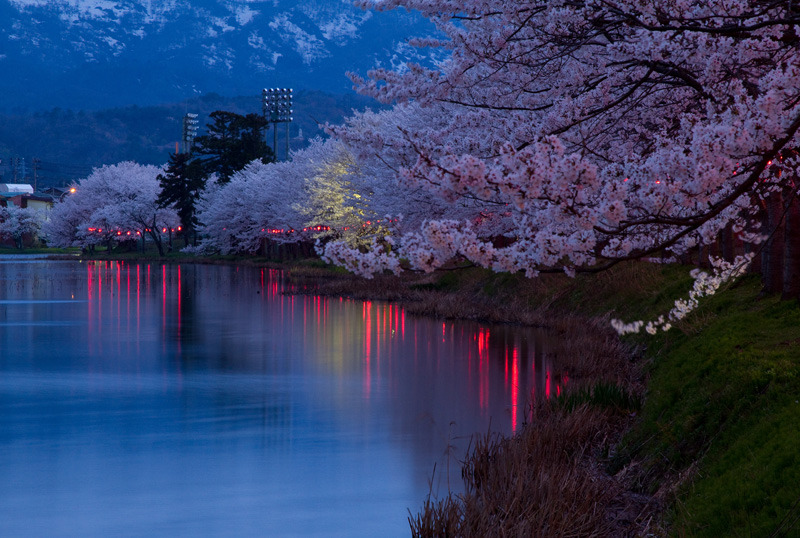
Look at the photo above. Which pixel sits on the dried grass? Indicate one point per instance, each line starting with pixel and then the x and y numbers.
pixel 542 482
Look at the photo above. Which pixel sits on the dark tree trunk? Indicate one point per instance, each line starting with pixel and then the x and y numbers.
pixel 726 241
pixel 755 264
pixel 157 240
pixel 155 235
pixel 702 256
pixel 773 253
pixel 791 265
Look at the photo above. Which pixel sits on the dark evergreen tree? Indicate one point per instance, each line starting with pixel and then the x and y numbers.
pixel 181 184
pixel 231 142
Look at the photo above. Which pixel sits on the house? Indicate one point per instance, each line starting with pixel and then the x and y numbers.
pixel 22 195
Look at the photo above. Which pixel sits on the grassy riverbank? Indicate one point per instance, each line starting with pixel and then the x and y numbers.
pixel 693 432
pixel 720 433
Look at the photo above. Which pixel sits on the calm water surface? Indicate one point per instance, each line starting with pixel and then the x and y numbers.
pixel 189 400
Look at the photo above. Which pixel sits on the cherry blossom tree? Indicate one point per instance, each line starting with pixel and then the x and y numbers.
pixel 68 221
pixel 16 223
pixel 333 190
pixel 601 130
pixel 322 193
pixel 335 196
pixel 378 143
pixel 116 202
pixel 256 205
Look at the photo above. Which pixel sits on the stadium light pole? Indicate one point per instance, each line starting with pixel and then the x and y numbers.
pixel 277 108
pixel 189 132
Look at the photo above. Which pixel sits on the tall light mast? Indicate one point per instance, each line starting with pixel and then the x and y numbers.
pixel 189 132
pixel 277 108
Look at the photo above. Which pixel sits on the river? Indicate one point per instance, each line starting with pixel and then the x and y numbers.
pixel 200 400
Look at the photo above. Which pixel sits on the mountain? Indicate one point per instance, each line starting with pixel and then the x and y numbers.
pixel 93 54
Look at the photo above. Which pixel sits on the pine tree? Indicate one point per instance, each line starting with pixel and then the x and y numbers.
pixel 232 141
pixel 180 186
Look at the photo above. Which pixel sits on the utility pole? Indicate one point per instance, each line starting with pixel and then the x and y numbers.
pixel 277 108
pixel 35 176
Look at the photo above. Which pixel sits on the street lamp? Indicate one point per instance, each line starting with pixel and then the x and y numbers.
pixel 189 131
pixel 277 108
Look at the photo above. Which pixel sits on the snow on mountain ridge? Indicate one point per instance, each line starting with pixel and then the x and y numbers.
pixel 76 10
pixel 308 46
pixel 104 24
pixel 157 49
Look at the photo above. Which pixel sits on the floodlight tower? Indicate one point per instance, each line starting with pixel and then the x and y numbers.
pixel 189 132
pixel 277 108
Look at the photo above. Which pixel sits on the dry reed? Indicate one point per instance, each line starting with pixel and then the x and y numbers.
pixel 542 482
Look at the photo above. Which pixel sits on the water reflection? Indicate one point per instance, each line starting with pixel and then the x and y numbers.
pixel 198 397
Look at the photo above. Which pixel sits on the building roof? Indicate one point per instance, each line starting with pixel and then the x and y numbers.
pixel 16 188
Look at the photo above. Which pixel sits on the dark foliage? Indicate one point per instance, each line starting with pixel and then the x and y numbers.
pixel 231 141
pixel 180 185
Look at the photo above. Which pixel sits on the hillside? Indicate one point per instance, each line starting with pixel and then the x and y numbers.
pixel 69 143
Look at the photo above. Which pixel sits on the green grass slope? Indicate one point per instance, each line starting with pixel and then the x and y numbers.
pixel 721 423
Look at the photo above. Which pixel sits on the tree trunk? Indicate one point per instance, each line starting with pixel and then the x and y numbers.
pixel 157 240
pixel 772 255
pixel 702 256
pixel 791 262
pixel 755 264
pixel 726 241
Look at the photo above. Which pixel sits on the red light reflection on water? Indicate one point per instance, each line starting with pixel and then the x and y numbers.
pixel 367 317
pixel 514 388
pixel 99 290
pixel 501 370
pixel 89 287
pixel 547 385
pixel 378 334
pixel 483 367
pixel 498 366
pixel 138 298
pixel 119 294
